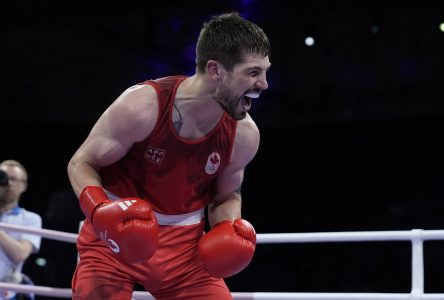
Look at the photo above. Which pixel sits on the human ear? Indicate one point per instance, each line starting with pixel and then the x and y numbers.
pixel 213 69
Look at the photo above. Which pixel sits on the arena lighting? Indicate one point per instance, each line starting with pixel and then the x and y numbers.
pixel 375 29
pixel 40 261
pixel 441 27
pixel 309 41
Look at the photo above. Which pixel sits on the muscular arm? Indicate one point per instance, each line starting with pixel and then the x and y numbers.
pixel 130 119
pixel 16 250
pixel 227 201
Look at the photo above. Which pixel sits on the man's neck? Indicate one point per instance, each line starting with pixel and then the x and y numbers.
pixel 8 206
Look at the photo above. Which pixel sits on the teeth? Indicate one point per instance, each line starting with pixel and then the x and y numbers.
pixel 252 95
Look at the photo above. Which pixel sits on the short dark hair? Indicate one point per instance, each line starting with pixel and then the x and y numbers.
pixel 228 38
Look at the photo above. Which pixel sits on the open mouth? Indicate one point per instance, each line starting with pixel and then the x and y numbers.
pixel 246 103
pixel 247 98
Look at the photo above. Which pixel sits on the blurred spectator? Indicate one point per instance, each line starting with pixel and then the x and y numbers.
pixel 15 246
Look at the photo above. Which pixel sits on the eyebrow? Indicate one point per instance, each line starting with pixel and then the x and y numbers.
pixel 254 68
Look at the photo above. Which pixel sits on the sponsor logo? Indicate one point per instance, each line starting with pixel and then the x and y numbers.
pixel 154 155
pixel 125 204
pixel 109 242
pixel 213 163
pixel 113 245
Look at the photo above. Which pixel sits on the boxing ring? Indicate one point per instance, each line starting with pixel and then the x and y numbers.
pixel 415 236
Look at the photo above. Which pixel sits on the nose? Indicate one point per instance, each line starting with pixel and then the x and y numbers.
pixel 262 83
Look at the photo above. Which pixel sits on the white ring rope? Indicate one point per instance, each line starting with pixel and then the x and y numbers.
pixel 356 236
pixel 46 233
pixel 416 236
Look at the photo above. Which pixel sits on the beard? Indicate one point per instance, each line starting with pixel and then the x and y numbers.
pixel 228 102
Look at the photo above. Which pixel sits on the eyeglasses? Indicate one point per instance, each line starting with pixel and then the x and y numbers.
pixel 15 179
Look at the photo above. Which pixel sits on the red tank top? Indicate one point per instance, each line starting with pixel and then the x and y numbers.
pixel 174 174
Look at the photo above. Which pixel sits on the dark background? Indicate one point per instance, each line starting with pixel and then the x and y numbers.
pixel 351 127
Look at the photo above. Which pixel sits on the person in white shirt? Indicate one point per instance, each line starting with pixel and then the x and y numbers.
pixel 15 246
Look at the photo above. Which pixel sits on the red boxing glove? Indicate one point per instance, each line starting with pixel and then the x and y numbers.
pixel 128 225
pixel 228 248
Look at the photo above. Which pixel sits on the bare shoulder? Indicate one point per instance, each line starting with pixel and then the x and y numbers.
pixel 246 143
pixel 129 119
pixel 136 109
pixel 137 99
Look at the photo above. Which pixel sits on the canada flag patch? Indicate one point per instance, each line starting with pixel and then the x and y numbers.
pixel 213 163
